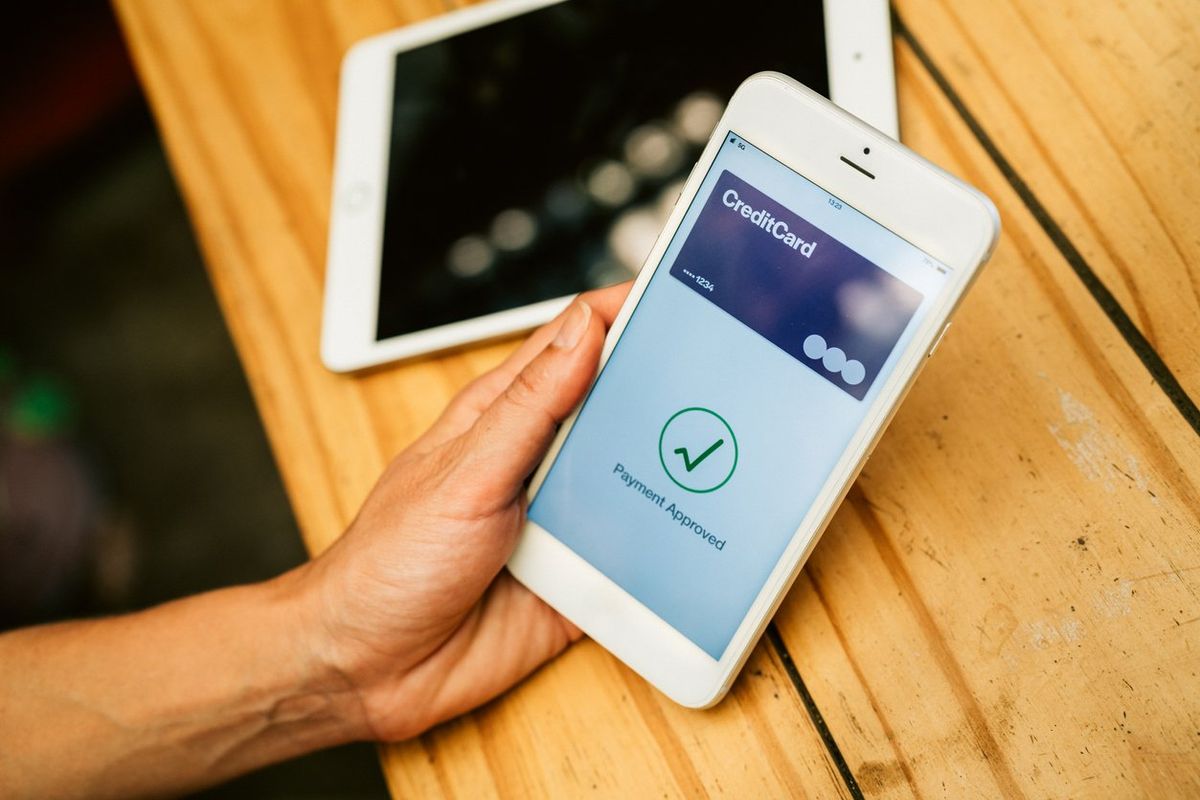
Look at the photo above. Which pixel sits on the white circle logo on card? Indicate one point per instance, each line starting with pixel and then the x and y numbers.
pixel 834 359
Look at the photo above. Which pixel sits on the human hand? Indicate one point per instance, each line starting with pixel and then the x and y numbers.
pixel 413 607
pixel 407 620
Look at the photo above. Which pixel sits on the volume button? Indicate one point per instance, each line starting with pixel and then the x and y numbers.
pixel 938 340
pixel 688 180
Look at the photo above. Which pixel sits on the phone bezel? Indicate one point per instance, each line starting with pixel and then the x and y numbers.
pixel 861 78
pixel 935 211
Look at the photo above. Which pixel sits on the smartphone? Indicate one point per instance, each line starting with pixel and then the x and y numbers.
pixel 809 268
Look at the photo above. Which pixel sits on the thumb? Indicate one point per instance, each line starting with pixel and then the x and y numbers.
pixel 512 434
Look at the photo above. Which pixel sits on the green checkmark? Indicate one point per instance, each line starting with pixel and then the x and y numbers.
pixel 690 465
pixel 697 424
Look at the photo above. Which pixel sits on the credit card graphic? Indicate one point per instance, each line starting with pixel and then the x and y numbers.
pixel 804 291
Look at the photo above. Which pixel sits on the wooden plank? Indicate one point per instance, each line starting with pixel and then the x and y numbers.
pixel 564 733
pixel 244 97
pixel 1014 578
pixel 1098 106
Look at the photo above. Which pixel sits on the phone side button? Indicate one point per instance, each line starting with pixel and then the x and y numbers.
pixel 937 341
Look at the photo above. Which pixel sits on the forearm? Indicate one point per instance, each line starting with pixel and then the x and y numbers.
pixel 180 696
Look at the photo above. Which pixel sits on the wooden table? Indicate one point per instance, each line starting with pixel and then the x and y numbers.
pixel 1007 605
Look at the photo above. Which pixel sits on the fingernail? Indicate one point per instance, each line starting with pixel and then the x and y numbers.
pixel 573 325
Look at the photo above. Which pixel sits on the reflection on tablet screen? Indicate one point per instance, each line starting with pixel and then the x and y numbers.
pixel 540 156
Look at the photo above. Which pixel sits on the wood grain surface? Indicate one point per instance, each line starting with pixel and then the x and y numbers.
pixel 1006 605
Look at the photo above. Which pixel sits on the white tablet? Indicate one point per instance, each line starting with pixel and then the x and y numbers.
pixel 494 161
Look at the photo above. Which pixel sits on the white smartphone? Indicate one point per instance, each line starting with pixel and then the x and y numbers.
pixel 496 160
pixel 807 271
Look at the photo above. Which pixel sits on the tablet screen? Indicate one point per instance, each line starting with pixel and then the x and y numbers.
pixel 540 156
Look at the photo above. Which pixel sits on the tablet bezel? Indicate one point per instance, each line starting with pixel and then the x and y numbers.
pixel 861 79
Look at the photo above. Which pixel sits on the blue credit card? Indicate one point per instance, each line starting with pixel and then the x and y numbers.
pixel 804 291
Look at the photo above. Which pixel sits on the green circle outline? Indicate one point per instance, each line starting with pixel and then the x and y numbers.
pixel 662 434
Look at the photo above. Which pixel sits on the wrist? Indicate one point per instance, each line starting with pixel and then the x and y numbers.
pixel 322 692
pixel 343 631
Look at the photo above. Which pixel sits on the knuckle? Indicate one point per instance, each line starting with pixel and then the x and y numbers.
pixel 524 394
pixel 524 386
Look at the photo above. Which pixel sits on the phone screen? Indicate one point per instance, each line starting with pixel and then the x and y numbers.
pixel 750 361
pixel 536 157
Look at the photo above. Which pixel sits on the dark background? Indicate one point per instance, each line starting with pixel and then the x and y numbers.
pixel 129 445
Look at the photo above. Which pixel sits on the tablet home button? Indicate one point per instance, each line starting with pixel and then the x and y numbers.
pixel 356 196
